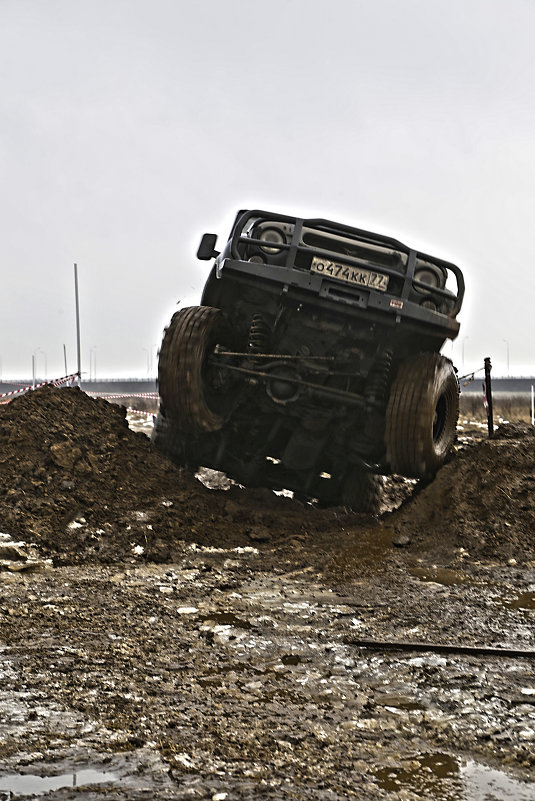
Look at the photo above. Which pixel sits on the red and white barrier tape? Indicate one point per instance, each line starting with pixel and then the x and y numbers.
pixel 139 411
pixel 56 382
pixel 107 396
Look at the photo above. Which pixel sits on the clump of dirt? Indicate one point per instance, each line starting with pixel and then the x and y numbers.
pixel 483 500
pixel 75 480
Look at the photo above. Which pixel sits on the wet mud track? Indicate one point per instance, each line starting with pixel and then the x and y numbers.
pixel 230 669
pixel 215 675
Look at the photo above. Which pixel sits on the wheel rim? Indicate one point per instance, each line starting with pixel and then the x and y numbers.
pixel 440 417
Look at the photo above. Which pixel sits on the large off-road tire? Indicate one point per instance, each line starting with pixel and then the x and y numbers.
pixel 421 417
pixel 361 491
pixel 168 439
pixel 196 394
pixel 358 490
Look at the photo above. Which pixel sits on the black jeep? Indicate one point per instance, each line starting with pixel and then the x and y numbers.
pixel 312 363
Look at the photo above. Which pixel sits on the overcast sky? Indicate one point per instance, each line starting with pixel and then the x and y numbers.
pixel 129 127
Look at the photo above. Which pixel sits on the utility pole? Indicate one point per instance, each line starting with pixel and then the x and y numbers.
pixel 77 324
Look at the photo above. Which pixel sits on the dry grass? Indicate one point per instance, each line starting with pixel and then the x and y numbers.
pixel 514 408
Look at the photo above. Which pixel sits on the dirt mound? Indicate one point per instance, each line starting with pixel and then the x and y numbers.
pixel 517 430
pixel 483 500
pixel 75 480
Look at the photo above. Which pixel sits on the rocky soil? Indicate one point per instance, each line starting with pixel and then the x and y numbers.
pixel 159 639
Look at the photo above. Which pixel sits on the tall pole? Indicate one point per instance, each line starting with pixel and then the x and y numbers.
pixel 77 324
pixel 65 358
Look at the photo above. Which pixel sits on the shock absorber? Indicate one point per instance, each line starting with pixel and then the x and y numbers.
pixel 259 335
pixel 379 377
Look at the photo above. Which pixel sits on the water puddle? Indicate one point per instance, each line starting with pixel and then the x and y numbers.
pixel 421 775
pixel 399 702
pixel 525 600
pixel 30 784
pixel 485 784
pixel 444 778
pixel 439 575
pixel 370 549
pixel 290 659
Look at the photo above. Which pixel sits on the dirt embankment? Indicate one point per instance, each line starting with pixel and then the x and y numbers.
pixel 81 485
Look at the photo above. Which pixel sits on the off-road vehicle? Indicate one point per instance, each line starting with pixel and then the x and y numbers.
pixel 313 362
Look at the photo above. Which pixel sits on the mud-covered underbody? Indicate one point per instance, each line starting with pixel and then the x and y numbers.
pixel 300 402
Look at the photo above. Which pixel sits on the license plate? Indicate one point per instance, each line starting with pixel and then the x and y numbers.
pixel 352 275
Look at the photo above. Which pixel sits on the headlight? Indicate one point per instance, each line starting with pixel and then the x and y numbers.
pixel 430 275
pixel 274 235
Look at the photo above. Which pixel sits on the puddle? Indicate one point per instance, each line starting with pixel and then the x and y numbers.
pixel 444 778
pixel 225 619
pixel 485 784
pixel 30 784
pixel 439 575
pixel 524 601
pixel 371 548
pixel 290 659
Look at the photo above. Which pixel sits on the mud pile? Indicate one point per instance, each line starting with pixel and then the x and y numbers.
pixel 483 500
pixel 76 481
pixel 83 487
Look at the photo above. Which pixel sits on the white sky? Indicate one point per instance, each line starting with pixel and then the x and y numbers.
pixel 129 127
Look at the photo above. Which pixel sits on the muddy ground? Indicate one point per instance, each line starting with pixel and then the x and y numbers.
pixel 159 639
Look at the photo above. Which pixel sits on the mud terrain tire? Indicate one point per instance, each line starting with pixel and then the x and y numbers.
pixel 195 395
pixel 421 417
pixel 361 491
pixel 168 439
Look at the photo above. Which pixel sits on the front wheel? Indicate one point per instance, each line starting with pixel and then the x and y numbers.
pixel 421 417
pixel 197 394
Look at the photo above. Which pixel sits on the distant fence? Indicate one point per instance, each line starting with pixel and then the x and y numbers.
pixel 102 385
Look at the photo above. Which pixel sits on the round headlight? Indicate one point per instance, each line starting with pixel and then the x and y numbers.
pixel 431 276
pixel 272 235
pixel 428 304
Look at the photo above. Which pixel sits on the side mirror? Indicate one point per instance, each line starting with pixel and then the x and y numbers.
pixel 207 249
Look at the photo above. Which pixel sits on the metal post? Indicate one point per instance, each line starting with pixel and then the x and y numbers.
pixel 488 396
pixel 532 405
pixel 65 359
pixel 77 324
pixel 33 370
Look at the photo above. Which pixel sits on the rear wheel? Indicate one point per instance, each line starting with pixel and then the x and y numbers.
pixel 195 392
pixel 361 491
pixel 421 417
pixel 358 490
